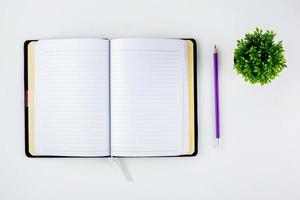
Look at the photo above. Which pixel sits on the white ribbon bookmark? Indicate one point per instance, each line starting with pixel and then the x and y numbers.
pixel 122 168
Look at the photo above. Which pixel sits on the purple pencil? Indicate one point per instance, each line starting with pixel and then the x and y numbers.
pixel 216 81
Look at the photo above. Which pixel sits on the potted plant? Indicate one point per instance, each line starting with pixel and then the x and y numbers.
pixel 258 58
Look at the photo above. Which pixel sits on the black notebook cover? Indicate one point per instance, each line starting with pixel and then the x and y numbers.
pixel 28 154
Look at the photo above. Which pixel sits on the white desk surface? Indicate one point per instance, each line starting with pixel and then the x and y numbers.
pixel 260 125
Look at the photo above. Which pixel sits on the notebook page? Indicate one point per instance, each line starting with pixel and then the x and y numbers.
pixel 72 97
pixel 147 97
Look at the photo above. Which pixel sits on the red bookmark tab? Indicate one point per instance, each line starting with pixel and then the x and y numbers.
pixel 26 98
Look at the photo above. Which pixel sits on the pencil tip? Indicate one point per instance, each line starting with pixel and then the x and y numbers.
pixel 215 47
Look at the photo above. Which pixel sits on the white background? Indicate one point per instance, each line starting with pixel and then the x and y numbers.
pixel 260 125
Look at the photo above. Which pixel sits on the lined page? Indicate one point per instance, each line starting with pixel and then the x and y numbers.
pixel 72 97
pixel 147 97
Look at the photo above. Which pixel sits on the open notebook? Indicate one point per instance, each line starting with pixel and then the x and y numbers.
pixel 128 97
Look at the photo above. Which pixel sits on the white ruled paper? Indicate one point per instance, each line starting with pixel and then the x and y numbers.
pixel 72 97
pixel 147 97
